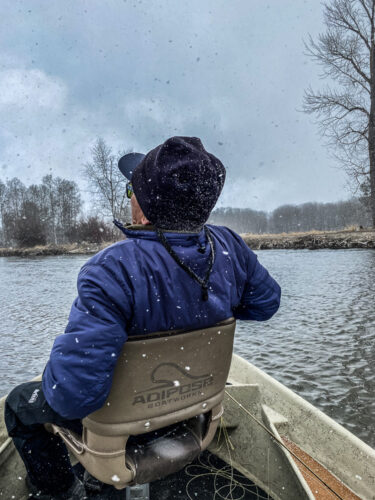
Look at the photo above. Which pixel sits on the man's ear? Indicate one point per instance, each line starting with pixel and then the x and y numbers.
pixel 144 220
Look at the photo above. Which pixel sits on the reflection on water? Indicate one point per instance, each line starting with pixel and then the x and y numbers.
pixel 35 299
pixel 321 343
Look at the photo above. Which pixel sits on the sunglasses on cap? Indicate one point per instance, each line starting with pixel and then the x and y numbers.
pixel 129 190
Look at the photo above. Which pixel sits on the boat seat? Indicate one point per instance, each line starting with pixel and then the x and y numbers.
pixel 163 409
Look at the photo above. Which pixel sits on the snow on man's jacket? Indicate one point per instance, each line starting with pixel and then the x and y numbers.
pixel 135 287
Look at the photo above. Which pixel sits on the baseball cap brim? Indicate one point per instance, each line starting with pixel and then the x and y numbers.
pixel 128 163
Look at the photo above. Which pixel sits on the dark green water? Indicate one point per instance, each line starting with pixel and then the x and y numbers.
pixel 321 343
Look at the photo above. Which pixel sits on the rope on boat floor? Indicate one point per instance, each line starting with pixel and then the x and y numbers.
pixel 278 441
pixel 227 483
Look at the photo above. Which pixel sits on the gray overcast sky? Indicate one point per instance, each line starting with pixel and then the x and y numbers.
pixel 137 72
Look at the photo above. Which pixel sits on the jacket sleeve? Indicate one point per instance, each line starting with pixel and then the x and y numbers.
pixel 78 376
pixel 261 295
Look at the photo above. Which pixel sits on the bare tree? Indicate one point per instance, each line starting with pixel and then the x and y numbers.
pixel 346 111
pixel 2 209
pixel 59 202
pixel 28 228
pixel 107 184
pixel 68 206
pixel 40 213
pixel 91 229
pixel 13 198
pixel 50 203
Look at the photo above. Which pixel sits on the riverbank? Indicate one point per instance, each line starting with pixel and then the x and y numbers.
pixel 312 240
pixel 71 249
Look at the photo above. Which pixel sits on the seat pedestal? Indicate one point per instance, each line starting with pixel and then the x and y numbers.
pixel 138 492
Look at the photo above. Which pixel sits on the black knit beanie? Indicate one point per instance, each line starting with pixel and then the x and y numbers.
pixel 178 183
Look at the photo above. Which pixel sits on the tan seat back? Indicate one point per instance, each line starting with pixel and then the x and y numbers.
pixel 159 380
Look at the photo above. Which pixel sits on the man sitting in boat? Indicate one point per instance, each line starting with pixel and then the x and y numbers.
pixel 171 272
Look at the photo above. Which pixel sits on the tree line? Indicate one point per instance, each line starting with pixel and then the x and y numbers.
pixel 295 218
pixel 49 212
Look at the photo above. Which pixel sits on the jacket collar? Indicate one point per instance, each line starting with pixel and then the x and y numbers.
pixel 147 232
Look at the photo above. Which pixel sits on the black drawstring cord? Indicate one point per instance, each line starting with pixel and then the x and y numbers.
pixel 203 282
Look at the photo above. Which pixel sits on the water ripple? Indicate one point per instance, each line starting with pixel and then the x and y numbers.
pixel 321 343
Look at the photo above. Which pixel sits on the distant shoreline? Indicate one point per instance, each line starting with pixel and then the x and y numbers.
pixel 48 250
pixel 312 240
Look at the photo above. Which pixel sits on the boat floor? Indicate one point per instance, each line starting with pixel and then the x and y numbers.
pixel 206 478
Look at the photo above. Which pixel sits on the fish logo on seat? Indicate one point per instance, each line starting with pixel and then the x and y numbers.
pixel 167 382
pixel 172 389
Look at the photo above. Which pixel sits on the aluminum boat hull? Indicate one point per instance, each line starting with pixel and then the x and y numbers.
pixel 260 413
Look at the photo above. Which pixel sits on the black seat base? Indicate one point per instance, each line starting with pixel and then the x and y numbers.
pixel 175 486
pixel 165 451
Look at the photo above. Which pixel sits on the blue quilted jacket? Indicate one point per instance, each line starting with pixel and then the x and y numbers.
pixel 135 287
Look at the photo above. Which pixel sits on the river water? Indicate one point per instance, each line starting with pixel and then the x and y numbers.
pixel 321 343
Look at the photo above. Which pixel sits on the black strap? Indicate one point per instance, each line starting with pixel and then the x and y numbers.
pixel 203 282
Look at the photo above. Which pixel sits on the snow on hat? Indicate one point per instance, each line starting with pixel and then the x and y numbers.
pixel 178 183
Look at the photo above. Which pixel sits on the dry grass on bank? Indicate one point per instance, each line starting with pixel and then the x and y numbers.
pixel 82 248
pixel 348 229
pixel 350 237
pixel 344 238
